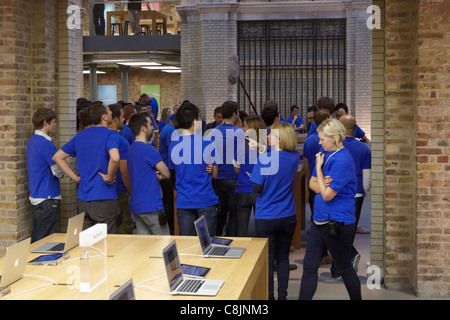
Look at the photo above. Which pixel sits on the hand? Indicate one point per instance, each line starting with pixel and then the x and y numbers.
pixel 158 176
pixel 252 144
pixel 319 159
pixel 328 180
pixel 209 168
pixel 106 179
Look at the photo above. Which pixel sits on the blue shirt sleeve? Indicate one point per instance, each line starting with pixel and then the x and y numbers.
pixel 152 156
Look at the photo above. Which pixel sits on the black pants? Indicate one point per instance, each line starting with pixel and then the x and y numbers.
pixel 280 233
pixel 101 211
pixel 99 19
pixel 226 215
pixel 167 187
pixel 245 203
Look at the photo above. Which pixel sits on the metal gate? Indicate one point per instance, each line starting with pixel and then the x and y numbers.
pixel 292 62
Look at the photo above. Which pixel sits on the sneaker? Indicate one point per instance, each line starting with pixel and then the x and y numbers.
pixel 362 230
pixel 355 262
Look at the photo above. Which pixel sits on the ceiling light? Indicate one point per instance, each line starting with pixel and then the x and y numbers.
pixel 172 71
pixel 139 63
pixel 162 67
pixel 98 72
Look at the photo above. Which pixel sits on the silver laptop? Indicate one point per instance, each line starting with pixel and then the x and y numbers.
pixel 124 292
pixel 210 250
pixel 74 227
pixel 15 262
pixel 186 286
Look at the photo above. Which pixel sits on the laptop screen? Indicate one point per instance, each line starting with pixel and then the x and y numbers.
pixel 203 234
pixel 172 263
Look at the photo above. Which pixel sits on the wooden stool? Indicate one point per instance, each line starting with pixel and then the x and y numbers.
pixel 113 28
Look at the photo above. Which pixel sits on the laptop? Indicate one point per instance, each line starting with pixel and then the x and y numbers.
pixel 15 262
pixel 74 227
pixel 210 250
pixel 124 292
pixel 186 286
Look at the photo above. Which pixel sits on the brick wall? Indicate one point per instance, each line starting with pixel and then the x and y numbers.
pixel 28 81
pixel 432 150
pixel 416 149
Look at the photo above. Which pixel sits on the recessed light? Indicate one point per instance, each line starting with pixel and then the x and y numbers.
pixel 162 67
pixel 98 72
pixel 142 63
pixel 171 71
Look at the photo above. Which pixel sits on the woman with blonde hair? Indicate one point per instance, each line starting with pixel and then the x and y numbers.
pixel 273 177
pixel 165 118
pixel 334 212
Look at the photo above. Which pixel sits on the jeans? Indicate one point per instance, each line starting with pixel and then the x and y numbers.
pixel 226 215
pixel 280 233
pixel 45 218
pixel 319 240
pixel 150 224
pixel 187 217
pixel 245 203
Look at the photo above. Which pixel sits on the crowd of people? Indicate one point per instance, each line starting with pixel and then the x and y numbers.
pixel 127 176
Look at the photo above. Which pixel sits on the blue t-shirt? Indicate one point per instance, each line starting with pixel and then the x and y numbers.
pixel 362 157
pixel 146 193
pixel 155 108
pixel 91 148
pixel 298 122
pixel 127 134
pixel 123 152
pixel 358 133
pixel 247 162
pixel 189 156
pixel 311 147
pixel 164 142
pixel 227 138
pixel 340 167
pixel 277 198
pixel 43 184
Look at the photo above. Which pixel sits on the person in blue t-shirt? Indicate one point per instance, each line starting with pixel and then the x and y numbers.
pixel 227 137
pixel 191 155
pixel 146 169
pixel 334 212
pixel 123 182
pixel 295 120
pixel 128 111
pixel 243 166
pixel 340 110
pixel 43 175
pixel 275 213
pixel 362 157
pixel 311 147
pixel 322 103
pixel 167 185
pixel 97 152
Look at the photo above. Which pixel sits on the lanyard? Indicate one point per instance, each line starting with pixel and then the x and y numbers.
pixel 330 157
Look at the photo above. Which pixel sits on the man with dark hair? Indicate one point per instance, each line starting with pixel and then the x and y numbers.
pixel 146 169
pixel 270 115
pixel 217 118
pixel 225 137
pixel 123 183
pixel 295 120
pixel 97 152
pixel 326 103
pixel 311 147
pixel 189 157
pixel 310 115
pixel 43 174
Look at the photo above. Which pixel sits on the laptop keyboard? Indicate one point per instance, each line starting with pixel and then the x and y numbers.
pixel 191 285
pixel 218 251
pixel 58 247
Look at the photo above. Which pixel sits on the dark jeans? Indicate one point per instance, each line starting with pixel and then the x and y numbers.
pixel 99 19
pixel 187 217
pixel 45 218
pixel 245 203
pixel 280 233
pixel 167 187
pixel 225 189
pixel 319 240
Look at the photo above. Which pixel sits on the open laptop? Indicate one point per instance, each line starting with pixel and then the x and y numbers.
pixel 186 286
pixel 74 227
pixel 210 250
pixel 15 262
pixel 124 292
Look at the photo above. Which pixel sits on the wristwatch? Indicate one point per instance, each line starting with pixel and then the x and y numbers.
pixel 107 181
